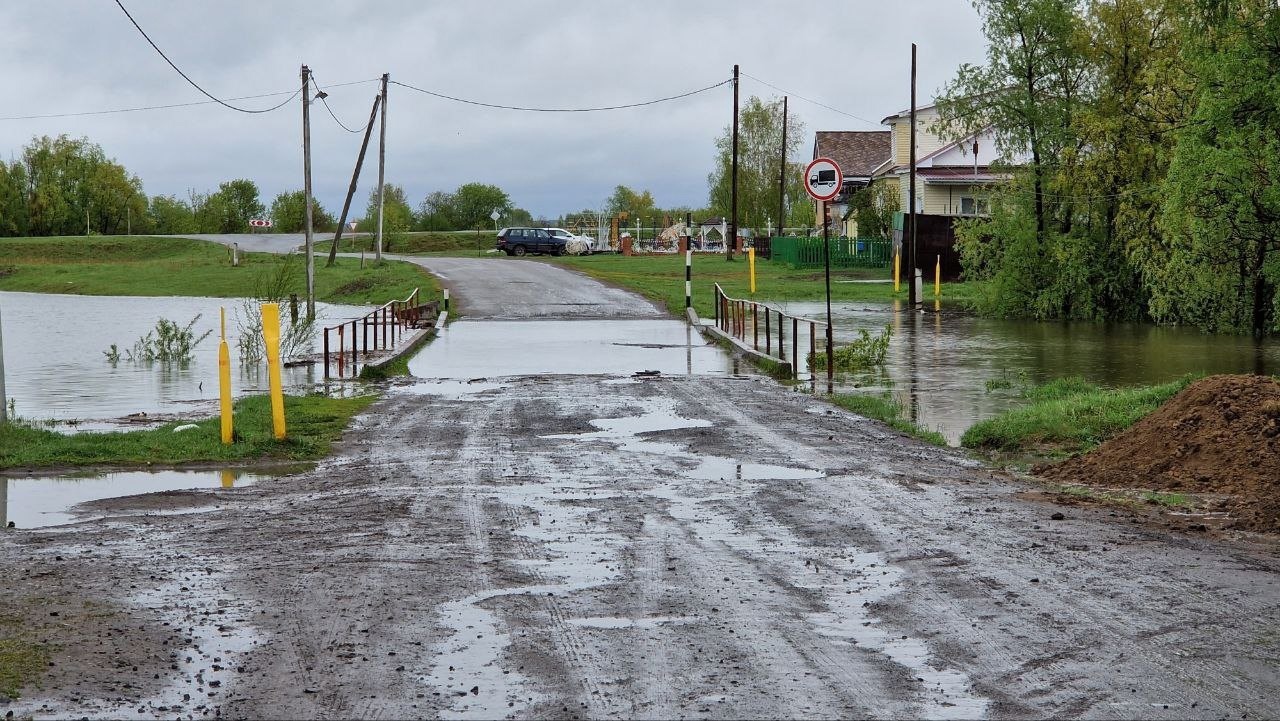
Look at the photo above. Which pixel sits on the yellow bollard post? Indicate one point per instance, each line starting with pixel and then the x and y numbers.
pixel 937 278
pixel 751 267
pixel 271 337
pixel 897 267
pixel 224 381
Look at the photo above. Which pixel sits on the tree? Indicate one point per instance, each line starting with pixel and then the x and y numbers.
pixel 1221 263
pixel 873 209
pixel 397 217
pixel 288 214
pixel 170 215
pixel 759 145
pixel 635 205
pixel 230 209
pixel 436 212
pixel 474 202
pixel 13 202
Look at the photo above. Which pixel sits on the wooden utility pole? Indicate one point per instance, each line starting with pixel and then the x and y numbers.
pixel 355 179
pixel 731 238
pixel 382 166
pixel 306 191
pixel 912 297
pixel 782 172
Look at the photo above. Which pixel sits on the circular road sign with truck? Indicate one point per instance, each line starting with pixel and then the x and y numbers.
pixel 822 179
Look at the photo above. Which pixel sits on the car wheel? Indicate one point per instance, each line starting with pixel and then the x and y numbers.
pixel 518 250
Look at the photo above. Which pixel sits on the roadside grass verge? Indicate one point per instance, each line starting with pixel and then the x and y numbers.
pixel 313 422
pixel 151 266
pixel 459 242
pixel 884 409
pixel 1068 416
pixel 22 660
pixel 660 278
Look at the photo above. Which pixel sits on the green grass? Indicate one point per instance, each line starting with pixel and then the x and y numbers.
pixel 21 661
pixel 313 423
pixel 884 409
pixel 460 242
pixel 660 278
pixel 149 266
pixel 1068 416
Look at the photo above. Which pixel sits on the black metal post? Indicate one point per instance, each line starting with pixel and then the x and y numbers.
pixel 826 262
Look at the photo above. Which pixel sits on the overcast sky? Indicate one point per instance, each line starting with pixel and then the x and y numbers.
pixel 72 56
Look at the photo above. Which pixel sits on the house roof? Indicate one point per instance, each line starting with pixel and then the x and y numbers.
pixel 961 176
pixel 857 152
pixel 905 113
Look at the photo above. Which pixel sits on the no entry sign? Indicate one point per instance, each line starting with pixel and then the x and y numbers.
pixel 822 179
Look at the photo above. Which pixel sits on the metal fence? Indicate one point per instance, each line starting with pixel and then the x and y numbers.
pixel 766 329
pixel 845 252
pixel 378 330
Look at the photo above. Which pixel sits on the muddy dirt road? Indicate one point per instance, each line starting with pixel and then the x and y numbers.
pixel 609 546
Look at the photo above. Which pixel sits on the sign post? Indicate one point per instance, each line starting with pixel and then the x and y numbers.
pixel 352 225
pixel 823 181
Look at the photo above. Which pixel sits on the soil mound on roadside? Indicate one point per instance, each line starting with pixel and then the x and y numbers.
pixel 1220 435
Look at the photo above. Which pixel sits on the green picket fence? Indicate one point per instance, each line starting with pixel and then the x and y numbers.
pixel 845 252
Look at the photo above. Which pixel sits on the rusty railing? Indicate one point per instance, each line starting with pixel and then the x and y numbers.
pixel 380 329
pixel 738 317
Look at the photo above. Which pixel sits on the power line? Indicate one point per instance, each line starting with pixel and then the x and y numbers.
pixel 561 110
pixel 809 100
pixel 322 95
pixel 184 75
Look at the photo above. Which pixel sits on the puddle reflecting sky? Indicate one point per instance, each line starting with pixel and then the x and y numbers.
pixel 55 367
pixel 472 349
pixel 44 501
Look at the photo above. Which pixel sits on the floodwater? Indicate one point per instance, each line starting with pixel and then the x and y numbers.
pixel 55 367
pixel 38 501
pixel 604 347
pixel 940 364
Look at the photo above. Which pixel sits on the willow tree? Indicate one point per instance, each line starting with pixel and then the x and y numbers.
pixel 1222 218
pixel 759 145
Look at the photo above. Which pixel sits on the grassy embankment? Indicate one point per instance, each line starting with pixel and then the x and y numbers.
pixel 314 422
pixel 660 278
pixel 146 266
pixel 886 410
pixel 1067 416
pixel 453 242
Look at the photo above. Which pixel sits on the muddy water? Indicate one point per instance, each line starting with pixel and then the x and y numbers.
pixel 606 347
pixel 55 367
pixel 940 364
pixel 34 502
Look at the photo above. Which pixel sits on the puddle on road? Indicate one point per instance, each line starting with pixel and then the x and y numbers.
pixel 453 389
pixel 470 349
pixel 37 502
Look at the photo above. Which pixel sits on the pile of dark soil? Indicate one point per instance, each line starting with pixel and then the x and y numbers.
pixel 1220 435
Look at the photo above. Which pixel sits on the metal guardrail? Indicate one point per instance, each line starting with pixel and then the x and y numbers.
pixel 388 323
pixel 735 315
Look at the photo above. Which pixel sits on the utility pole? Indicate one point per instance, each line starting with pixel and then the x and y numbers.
pixel 913 298
pixel 731 238
pixel 782 172
pixel 382 166
pixel 306 190
pixel 355 179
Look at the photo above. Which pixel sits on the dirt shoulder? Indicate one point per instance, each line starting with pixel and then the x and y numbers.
pixel 596 547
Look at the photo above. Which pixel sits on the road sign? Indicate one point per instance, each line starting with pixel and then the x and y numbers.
pixel 353 225
pixel 494 216
pixel 822 179
pixel 259 223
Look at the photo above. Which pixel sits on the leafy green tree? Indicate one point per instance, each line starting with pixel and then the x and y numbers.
pixel 170 215
pixel 288 214
pixel 873 209
pixel 397 216
pixel 635 205
pixel 13 201
pixel 436 212
pixel 759 144
pixel 1221 260
pixel 474 202
pixel 230 209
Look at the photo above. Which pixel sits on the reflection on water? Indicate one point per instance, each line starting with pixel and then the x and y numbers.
pixel 55 367
pixel 45 501
pixel 940 363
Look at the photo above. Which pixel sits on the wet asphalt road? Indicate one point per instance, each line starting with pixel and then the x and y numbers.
pixel 619 547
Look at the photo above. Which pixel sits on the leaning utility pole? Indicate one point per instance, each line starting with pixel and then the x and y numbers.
pixel 382 166
pixel 913 297
pixel 732 237
pixel 355 179
pixel 782 172
pixel 306 190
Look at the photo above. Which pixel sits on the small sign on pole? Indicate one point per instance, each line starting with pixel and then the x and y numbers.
pixel 822 179
pixel 259 223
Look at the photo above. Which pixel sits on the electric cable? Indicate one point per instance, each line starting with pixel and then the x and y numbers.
pixel 562 110
pixel 808 100
pixel 322 96
pixel 188 79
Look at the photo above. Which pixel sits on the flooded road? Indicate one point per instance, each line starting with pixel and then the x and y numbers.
pixel 63 374
pixel 578 541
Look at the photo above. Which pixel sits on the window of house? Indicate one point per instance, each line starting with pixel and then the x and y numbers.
pixel 974 206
